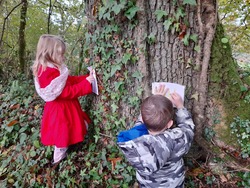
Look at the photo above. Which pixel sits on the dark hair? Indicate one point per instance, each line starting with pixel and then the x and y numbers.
pixel 156 112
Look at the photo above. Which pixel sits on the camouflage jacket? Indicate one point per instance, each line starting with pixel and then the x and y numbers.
pixel 158 159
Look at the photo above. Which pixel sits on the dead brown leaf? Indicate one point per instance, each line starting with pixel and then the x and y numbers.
pixel 13 122
pixel 196 171
pixel 114 161
pixel 16 106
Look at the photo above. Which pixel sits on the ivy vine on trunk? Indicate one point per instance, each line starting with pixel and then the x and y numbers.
pixel 135 43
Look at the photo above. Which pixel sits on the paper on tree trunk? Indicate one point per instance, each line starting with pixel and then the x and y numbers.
pixel 173 87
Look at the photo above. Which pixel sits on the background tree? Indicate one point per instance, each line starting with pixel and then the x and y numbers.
pixel 9 38
pixel 22 43
pixel 66 19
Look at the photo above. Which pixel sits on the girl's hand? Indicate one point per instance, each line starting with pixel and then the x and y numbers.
pixel 161 90
pixel 90 78
pixel 176 100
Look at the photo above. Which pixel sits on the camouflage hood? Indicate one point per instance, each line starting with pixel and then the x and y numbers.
pixel 158 159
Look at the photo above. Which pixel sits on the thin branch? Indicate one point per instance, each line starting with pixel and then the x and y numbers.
pixel 3 28
pixel 46 4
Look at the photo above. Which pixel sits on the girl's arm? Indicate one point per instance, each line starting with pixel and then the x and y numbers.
pixel 77 79
pixel 76 90
pixel 70 91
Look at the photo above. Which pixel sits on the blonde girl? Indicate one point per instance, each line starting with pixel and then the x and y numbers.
pixel 63 121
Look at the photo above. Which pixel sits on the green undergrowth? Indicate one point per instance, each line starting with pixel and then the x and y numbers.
pixel 25 162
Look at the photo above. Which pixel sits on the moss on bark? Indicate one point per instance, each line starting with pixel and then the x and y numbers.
pixel 225 85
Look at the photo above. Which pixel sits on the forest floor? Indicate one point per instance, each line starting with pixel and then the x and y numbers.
pixel 212 172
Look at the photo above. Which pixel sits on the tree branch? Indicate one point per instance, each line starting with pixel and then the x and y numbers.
pixel 3 28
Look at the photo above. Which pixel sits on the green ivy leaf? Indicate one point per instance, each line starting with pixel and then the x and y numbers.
pixel 23 137
pixel 189 2
pixel 83 172
pixel 167 23
pixel 23 129
pixel 33 153
pixel 176 27
pixel 197 48
pixel 107 16
pixel 96 138
pixel 102 11
pixel 160 13
pixel 186 40
pixel 180 13
pixel 117 8
pixel 194 37
pixel 243 88
pixel 114 107
pixel 36 143
pixel 137 75
pixel 195 96
pixel 224 40
pixel 115 68
pixel 151 38
pixel 126 57
pixel 117 85
pixel 130 13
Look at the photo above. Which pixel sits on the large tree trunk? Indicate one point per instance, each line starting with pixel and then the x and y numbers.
pixel 175 47
pixel 22 43
pixel 162 54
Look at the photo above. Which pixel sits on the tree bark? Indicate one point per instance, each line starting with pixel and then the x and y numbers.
pixel 168 59
pixel 207 20
pixel 22 43
pixel 167 55
pixel 49 15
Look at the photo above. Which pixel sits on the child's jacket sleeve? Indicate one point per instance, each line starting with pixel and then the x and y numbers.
pixel 76 90
pixel 185 123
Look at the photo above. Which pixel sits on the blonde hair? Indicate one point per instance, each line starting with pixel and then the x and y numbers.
pixel 50 49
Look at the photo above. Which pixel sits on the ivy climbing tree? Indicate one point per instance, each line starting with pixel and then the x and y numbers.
pixel 134 43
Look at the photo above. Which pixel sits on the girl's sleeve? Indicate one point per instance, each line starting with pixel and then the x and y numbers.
pixel 76 90
pixel 77 79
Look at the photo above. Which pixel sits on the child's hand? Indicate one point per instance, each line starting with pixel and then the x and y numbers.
pixel 176 100
pixel 161 90
pixel 90 78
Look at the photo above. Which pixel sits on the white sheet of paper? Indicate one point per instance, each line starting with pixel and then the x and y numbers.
pixel 173 87
pixel 94 83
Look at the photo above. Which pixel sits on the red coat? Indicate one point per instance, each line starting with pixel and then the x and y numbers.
pixel 63 119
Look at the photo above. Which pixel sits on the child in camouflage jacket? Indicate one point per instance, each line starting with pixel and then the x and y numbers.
pixel 155 150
